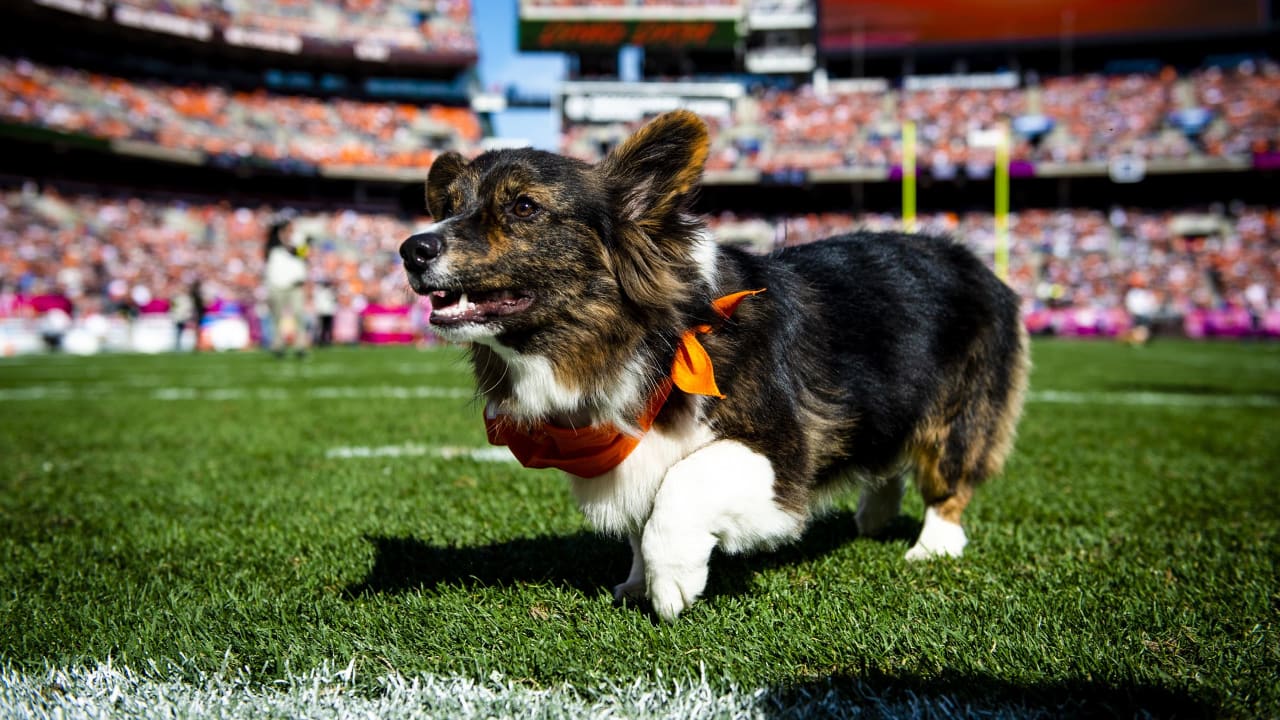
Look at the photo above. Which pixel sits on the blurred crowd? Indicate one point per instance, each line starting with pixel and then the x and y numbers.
pixel 282 129
pixel 1187 261
pixel 424 25
pixel 628 3
pixel 1213 112
pixel 115 255
pixel 130 256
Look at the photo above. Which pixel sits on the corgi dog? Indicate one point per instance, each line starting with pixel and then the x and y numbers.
pixel 699 396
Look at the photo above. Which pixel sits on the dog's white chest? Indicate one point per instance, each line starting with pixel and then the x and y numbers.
pixel 620 501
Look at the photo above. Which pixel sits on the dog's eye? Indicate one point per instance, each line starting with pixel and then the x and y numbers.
pixel 524 208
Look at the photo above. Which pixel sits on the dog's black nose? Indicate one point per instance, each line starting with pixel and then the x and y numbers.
pixel 419 250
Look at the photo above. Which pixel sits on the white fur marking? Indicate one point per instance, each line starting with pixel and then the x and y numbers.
pixel 722 495
pixel 535 391
pixel 620 501
pixel 938 538
pixel 705 252
pixel 466 332
pixel 621 397
pixel 439 270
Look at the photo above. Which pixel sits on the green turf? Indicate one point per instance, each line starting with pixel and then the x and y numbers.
pixel 189 508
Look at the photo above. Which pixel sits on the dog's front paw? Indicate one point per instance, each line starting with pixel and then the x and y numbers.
pixel 672 592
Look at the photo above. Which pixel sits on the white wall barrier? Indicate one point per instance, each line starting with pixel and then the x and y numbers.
pixel 94 334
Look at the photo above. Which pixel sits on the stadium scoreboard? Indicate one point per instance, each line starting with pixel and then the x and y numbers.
pixel 587 28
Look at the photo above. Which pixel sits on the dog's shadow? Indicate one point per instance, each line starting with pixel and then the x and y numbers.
pixel 583 561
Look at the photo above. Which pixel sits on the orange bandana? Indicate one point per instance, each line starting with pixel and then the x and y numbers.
pixel 593 451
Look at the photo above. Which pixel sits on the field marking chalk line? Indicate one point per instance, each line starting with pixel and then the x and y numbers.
pixel 446 452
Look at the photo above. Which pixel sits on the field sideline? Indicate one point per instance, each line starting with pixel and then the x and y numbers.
pixel 236 536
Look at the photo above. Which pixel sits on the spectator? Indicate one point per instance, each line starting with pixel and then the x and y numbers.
pixel 286 276
pixel 181 312
pixel 325 302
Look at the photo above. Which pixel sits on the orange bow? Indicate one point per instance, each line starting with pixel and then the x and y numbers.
pixel 593 451
pixel 692 371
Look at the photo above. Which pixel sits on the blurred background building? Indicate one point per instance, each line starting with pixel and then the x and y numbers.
pixel 146 145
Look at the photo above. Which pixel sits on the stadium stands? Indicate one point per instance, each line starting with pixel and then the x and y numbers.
pixel 108 256
pixel 290 131
pixel 1210 113
pixel 627 3
pixel 423 25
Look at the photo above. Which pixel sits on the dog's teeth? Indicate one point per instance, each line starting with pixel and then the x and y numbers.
pixel 462 300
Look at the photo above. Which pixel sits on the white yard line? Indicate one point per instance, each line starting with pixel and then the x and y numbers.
pixel 380 392
pixel 1152 399
pixel 67 391
pixel 37 392
pixel 408 392
pixel 447 452
pixel 171 691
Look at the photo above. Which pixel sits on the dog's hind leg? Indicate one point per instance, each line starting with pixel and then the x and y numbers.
pixel 722 495
pixel 942 535
pixel 966 440
pixel 952 459
pixel 946 487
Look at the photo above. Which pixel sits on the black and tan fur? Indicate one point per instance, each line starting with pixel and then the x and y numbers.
pixel 868 355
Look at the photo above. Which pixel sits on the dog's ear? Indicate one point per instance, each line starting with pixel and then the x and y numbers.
pixel 657 167
pixel 653 175
pixel 443 172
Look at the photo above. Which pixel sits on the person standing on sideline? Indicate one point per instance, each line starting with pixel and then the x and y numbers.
pixel 186 309
pixel 196 293
pixel 286 276
pixel 325 301
pixel 180 312
pixel 1142 305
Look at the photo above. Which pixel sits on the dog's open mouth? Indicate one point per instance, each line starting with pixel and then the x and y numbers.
pixel 456 307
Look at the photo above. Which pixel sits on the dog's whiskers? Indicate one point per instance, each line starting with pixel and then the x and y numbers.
pixel 484 392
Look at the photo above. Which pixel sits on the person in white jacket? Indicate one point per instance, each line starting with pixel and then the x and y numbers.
pixel 286 276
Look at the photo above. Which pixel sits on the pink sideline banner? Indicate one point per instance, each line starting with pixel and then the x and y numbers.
pixel 386 324
pixel 1271 324
pixel 1234 322
pixel 346 326
pixel 1078 322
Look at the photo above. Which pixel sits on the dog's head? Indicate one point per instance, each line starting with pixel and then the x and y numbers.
pixel 535 252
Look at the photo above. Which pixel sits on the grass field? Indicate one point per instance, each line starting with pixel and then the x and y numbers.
pixel 334 533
